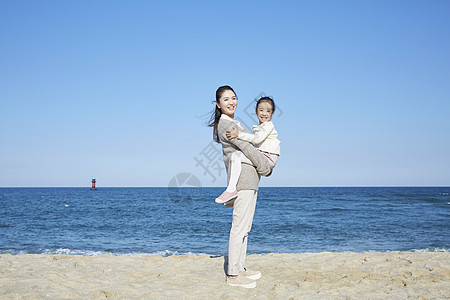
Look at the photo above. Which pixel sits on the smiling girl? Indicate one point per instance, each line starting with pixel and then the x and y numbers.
pixel 264 138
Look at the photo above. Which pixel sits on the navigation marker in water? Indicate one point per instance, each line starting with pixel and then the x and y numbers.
pixel 93 188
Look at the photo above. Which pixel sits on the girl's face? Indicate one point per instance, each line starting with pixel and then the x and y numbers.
pixel 228 103
pixel 264 112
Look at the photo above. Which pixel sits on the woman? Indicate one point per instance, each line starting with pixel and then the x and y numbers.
pixel 245 203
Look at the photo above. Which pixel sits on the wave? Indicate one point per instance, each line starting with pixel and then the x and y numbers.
pixel 66 251
pixel 166 253
pixel 432 249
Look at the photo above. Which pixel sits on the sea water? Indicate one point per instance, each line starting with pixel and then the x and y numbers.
pixel 165 221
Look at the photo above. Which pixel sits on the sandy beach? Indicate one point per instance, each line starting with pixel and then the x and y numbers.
pixel 391 275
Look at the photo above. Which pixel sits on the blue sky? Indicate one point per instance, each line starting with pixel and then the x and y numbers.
pixel 116 90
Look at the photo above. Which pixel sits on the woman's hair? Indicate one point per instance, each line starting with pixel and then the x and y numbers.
pixel 265 99
pixel 215 116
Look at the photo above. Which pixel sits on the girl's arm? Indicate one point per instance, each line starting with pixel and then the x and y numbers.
pixel 258 136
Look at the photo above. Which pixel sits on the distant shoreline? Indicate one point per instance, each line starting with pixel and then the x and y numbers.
pixel 261 187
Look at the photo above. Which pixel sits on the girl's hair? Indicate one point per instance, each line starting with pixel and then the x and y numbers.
pixel 265 99
pixel 215 116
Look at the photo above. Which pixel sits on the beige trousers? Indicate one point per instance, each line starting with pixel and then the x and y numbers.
pixel 243 212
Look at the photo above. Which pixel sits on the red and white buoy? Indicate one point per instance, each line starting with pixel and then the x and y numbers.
pixel 93 188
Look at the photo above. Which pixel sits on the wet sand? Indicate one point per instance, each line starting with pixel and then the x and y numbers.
pixel 391 275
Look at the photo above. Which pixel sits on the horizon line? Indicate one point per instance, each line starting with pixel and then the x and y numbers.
pixel 318 186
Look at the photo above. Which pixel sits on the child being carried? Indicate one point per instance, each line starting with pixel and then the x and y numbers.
pixel 264 138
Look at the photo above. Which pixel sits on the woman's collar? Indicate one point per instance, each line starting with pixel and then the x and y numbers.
pixel 224 116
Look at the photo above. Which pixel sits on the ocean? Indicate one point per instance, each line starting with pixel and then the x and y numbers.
pixel 175 221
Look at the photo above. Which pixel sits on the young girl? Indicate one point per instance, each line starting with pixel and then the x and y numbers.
pixel 265 139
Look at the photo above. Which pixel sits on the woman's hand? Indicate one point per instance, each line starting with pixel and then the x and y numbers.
pixel 232 134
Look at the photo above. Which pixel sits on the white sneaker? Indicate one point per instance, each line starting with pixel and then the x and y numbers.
pixel 253 275
pixel 226 196
pixel 241 281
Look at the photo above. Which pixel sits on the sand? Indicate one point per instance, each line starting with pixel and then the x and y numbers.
pixel 392 275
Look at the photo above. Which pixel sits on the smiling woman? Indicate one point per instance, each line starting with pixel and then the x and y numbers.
pixel 246 194
pixel 226 98
pixel 228 103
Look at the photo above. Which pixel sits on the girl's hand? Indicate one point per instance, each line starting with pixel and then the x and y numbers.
pixel 232 134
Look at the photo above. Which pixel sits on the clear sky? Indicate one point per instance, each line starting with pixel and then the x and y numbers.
pixel 116 90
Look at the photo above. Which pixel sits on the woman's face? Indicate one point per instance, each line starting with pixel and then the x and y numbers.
pixel 228 103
